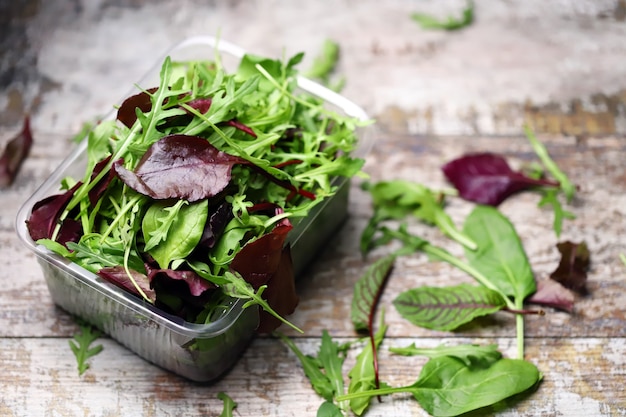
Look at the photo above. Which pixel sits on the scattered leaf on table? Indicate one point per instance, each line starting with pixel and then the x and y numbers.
pixel 487 178
pixel 552 294
pixel 14 153
pixel 451 23
pixel 573 266
pixel 446 308
pixel 80 345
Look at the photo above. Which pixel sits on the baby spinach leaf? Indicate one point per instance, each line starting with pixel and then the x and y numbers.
pixel 471 355
pixel 500 256
pixel 181 234
pixel 81 345
pixel 446 308
pixel 448 387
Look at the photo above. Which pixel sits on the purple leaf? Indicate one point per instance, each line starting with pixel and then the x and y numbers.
pixel 118 276
pixel 127 111
pixel 552 294
pixel 15 152
pixel 100 188
pixel 573 266
pixel 215 225
pixel 486 178
pixel 196 285
pixel 45 215
pixel 180 166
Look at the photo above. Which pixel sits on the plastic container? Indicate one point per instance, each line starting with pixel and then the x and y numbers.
pixel 200 352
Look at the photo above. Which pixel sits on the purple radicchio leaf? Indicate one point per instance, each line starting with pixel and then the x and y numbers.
pixel 118 276
pixel 14 153
pixel 182 167
pixel 486 178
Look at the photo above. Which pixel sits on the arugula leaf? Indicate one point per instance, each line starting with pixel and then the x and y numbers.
pixel 397 199
pixel 450 24
pixel 312 367
pixel 81 343
pixel 565 184
pixel 229 404
pixel 447 308
pixel 324 65
pixel 471 355
pixel 331 361
pixel 550 197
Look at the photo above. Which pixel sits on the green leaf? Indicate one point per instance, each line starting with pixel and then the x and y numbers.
pixel 367 290
pixel 500 256
pixel 363 374
pixel 319 380
pixel 447 308
pixel 332 361
pixel 447 387
pixel 565 184
pixel 471 355
pixel 173 232
pixel 81 343
pixel 451 23
pixel 329 409
pixel 550 197
pixel 398 199
pixel 229 404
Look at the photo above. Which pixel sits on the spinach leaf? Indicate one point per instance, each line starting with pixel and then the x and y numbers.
pixel 448 387
pixel 447 308
pixel 177 230
pixel 500 255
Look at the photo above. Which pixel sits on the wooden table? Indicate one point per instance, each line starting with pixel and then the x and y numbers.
pixel 582 355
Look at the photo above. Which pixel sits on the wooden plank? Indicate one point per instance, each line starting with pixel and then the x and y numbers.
pixel 582 377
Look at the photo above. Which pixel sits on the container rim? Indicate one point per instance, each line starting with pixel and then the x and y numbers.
pixel 173 323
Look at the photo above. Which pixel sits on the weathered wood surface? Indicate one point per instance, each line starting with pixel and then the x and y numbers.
pixel 582 355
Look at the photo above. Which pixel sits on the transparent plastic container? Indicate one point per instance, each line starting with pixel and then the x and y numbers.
pixel 200 352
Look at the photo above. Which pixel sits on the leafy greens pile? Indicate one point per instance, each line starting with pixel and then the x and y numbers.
pixel 189 195
pixel 456 379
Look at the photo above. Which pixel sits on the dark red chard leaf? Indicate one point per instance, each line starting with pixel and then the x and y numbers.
pixel 180 166
pixel 201 104
pixel 127 111
pixel 99 189
pixel 280 294
pixel 215 225
pixel 573 266
pixel 486 178
pixel 15 152
pixel 45 215
pixel 258 260
pixel 118 276
pixel 552 294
